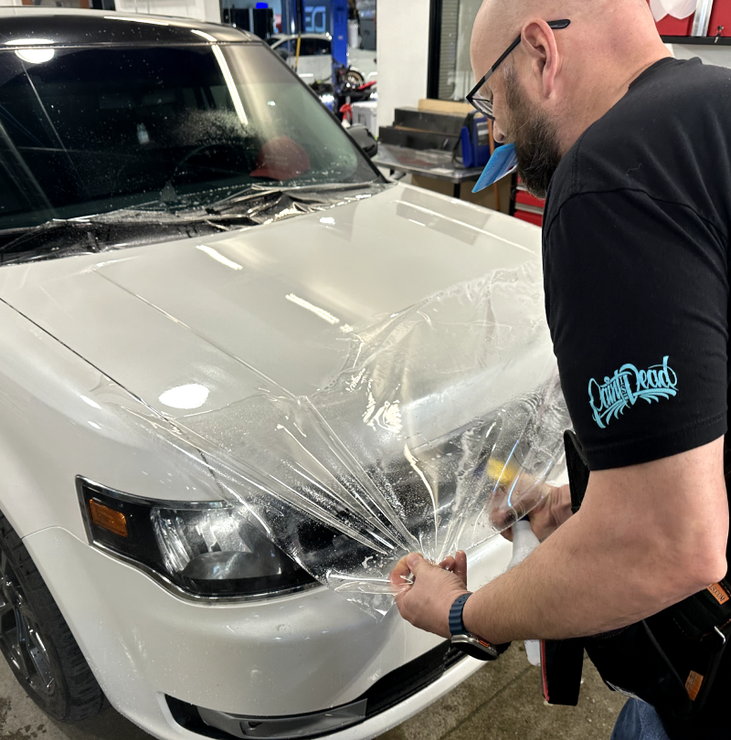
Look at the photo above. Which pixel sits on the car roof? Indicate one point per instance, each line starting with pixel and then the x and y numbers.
pixel 285 36
pixel 73 27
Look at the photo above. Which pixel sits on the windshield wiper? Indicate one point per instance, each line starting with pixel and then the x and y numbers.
pixel 185 218
pixel 125 228
pixel 315 192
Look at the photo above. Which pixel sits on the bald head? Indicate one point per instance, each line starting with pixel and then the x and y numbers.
pixel 506 17
pixel 560 78
pixel 500 20
pixel 573 75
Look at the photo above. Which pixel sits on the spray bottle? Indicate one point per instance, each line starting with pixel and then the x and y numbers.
pixel 524 542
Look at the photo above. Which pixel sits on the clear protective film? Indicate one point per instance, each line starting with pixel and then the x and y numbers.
pixel 439 431
pixel 176 217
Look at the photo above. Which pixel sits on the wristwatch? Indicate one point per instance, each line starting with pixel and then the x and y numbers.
pixel 468 643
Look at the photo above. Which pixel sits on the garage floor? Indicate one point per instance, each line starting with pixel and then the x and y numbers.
pixel 500 702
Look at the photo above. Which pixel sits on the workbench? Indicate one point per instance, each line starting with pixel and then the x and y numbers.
pixel 429 163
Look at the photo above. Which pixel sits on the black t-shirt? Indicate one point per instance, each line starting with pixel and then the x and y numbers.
pixel 636 260
pixel 636 242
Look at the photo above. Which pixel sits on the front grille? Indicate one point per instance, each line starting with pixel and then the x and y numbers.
pixel 411 678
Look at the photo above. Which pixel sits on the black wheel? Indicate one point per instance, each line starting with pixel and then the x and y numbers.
pixel 37 642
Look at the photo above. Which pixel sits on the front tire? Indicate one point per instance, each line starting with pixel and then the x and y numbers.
pixel 354 77
pixel 37 642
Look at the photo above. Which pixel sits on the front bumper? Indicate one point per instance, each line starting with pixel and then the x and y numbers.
pixel 278 658
pixel 387 693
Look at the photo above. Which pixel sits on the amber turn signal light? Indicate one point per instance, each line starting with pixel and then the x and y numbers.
pixel 107 518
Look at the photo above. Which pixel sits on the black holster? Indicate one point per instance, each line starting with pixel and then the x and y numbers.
pixel 669 660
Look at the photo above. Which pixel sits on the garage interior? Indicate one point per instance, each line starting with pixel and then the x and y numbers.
pixel 394 73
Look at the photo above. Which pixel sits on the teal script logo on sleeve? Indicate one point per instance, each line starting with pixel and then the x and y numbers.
pixel 627 386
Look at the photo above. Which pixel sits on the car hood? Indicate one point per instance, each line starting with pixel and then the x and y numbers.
pixel 271 306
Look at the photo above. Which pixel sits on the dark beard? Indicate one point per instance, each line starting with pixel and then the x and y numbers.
pixel 536 142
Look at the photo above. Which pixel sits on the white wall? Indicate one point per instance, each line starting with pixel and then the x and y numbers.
pixel 202 10
pixel 719 55
pixel 403 50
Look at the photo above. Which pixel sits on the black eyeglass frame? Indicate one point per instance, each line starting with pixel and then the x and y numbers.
pixel 483 105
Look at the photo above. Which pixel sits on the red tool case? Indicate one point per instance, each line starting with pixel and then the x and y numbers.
pixel 525 206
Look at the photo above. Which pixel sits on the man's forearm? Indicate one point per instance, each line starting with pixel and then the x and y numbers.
pixel 625 556
pixel 568 587
pixel 646 537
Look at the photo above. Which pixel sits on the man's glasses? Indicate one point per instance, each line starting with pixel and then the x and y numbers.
pixel 484 105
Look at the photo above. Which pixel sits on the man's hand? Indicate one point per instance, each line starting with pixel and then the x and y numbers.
pixel 551 511
pixel 427 600
pixel 651 534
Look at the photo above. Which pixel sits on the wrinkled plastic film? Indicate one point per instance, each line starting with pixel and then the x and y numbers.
pixel 438 432
pixel 174 218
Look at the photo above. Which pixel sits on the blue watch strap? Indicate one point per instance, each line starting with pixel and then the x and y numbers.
pixel 456 625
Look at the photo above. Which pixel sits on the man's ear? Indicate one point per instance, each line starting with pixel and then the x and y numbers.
pixel 539 41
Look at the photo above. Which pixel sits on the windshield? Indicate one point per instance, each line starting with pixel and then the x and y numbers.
pixel 91 130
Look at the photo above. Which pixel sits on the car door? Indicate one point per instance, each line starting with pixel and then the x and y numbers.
pixel 315 62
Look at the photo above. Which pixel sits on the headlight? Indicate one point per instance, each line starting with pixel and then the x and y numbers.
pixel 204 549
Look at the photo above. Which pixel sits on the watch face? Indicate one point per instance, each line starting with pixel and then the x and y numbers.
pixel 475 647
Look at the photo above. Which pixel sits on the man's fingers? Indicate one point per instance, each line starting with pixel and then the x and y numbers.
pixel 460 565
pixel 404 578
pixel 448 563
pixel 456 564
pixel 400 575
pixel 416 561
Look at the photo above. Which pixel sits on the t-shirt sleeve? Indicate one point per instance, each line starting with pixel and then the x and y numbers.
pixel 637 303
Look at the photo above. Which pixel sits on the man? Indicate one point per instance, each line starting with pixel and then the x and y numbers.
pixel 637 149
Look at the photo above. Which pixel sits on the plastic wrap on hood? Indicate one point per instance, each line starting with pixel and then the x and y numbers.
pixel 440 430
pixel 174 218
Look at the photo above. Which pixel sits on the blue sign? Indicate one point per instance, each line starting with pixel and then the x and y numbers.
pixel 316 19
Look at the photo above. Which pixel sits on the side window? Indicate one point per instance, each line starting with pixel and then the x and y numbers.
pixel 310 47
pixel 322 46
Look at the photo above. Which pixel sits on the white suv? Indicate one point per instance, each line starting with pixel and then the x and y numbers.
pixel 177 209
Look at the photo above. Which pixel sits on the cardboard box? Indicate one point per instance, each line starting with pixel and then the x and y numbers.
pixel 445 106
pixel 424 120
pixel 484 198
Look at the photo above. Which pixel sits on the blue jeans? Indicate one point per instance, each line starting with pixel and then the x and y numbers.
pixel 638 721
